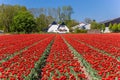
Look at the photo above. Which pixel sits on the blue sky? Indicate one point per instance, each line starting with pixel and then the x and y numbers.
pixel 99 10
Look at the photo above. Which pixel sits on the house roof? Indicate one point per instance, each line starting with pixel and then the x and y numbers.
pixel 54 23
pixel 112 21
pixel 54 27
pixel 61 25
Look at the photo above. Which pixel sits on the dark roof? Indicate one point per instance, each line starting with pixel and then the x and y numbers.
pixel 112 21
pixel 54 23
pixel 61 25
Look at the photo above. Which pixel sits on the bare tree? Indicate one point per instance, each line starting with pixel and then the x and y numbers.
pixel 88 20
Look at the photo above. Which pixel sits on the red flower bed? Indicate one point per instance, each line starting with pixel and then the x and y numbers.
pixel 107 42
pixel 61 63
pixel 20 65
pixel 106 66
pixel 22 55
pixel 14 43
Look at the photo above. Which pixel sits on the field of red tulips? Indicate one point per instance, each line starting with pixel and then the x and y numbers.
pixel 60 57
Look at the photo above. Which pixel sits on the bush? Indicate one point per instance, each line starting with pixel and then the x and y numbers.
pixel 119 27
pixel 115 27
pixel 23 23
pixel 80 30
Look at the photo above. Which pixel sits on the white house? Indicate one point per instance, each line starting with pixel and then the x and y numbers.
pixel 56 28
pixel 107 30
pixel 62 28
pixel 1 31
pixel 82 26
pixel 87 26
pixel 53 27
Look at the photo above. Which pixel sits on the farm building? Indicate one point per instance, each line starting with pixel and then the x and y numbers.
pixel 58 28
pixel 112 21
pixel 1 31
pixel 82 26
pixel 53 27
pixel 108 22
pixel 62 28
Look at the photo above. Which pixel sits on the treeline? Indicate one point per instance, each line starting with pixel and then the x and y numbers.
pixel 19 19
pixel 7 14
pixel 98 26
pixel 58 14
pixel 114 28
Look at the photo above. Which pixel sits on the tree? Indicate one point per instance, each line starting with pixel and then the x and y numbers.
pixel 43 22
pixel 67 12
pixel 103 27
pixel 110 27
pixel 24 22
pixel 95 25
pixel 88 20
pixel 71 23
pixel 70 11
pixel 35 11
pixel 50 19
pixel 1 26
pixel 119 27
pixel 7 13
pixel 115 28
pixel 59 13
pixel 77 30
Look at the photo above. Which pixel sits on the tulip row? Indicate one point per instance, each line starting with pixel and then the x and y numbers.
pixel 107 67
pixel 16 43
pixel 61 64
pixel 20 66
pixel 109 43
pixel 64 57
